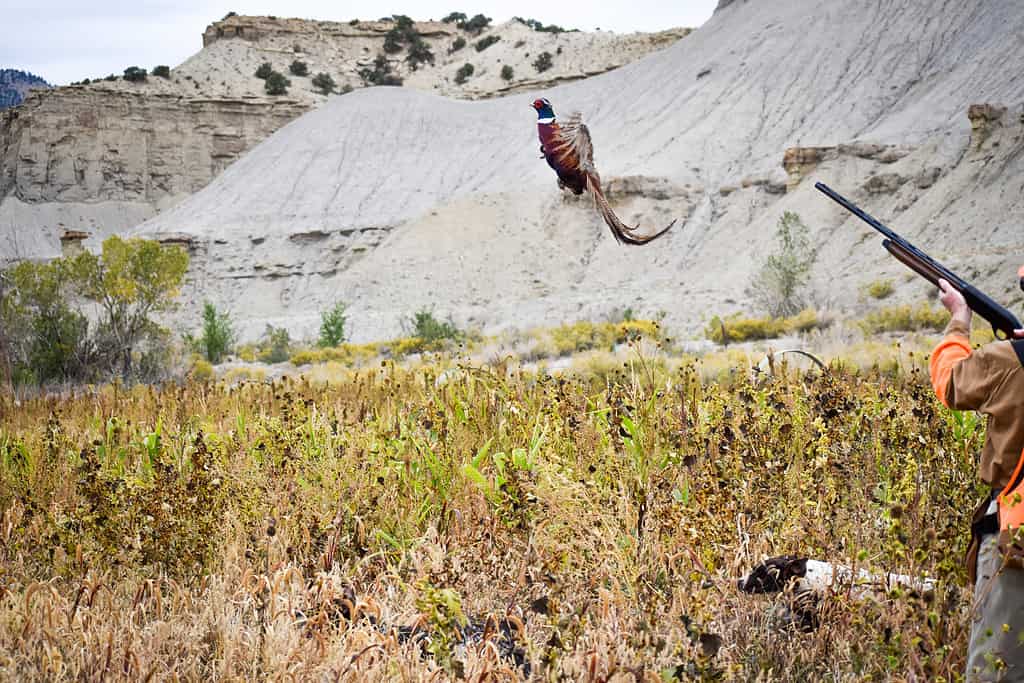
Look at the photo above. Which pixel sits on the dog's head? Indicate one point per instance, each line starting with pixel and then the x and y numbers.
pixel 772 575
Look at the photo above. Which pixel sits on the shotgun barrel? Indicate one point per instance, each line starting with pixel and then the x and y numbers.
pixel 1002 320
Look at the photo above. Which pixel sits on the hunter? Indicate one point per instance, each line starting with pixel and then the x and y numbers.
pixel 989 379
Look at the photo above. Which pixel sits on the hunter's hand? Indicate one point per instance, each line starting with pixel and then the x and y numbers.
pixel 955 303
pixel 1018 334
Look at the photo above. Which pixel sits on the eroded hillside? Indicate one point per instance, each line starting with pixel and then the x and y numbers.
pixel 724 130
pixel 102 156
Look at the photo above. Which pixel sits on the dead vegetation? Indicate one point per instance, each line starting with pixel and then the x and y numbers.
pixel 479 522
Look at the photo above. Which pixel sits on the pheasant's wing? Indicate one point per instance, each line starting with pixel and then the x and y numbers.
pixel 575 138
pixel 574 145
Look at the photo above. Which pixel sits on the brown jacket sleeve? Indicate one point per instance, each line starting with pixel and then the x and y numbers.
pixel 973 382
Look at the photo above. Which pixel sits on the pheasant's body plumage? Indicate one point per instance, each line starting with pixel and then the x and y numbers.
pixel 569 152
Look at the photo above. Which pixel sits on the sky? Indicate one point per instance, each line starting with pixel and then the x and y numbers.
pixel 68 40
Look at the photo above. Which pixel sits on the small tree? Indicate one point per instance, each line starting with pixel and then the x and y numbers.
pixel 324 83
pixel 276 84
pixel 778 285
pixel 457 18
pixel 217 335
pixel 464 72
pixel 457 45
pixel 43 337
pixel 475 25
pixel 131 280
pixel 264 70
pixel 507 73
pixel 419 53
pixel 380 74
pixel 134 74
pixel 332 326
pixel 299 68
pixel 162 71
pixel 543 62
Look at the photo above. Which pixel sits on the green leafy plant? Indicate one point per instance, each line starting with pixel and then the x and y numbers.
pixel 778 286
pixel 298 68
pixel 507 73
pixel 457 45
pixel 162 71
pixel 264 70
pixel 217 336
pixel 332 325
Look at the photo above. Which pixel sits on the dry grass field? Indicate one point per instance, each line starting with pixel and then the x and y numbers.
pixel 481 522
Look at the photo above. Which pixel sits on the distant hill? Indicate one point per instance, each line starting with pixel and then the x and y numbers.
pixel 15 84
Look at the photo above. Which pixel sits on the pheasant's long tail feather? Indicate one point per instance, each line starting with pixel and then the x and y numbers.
pixel 622 232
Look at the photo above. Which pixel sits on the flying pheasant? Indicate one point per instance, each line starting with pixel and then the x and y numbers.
pixel 567 149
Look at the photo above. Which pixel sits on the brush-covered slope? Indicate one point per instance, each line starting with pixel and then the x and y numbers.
pixel 394 200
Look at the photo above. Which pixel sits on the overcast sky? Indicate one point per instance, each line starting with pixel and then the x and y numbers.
pixel 68 40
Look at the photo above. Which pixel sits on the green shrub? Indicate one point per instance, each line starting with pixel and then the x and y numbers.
pixel 475 25
pixel 486 42
pixel 264 70
pixel 201 370
pixel 111 77
pixel 736 328
pixel 543 62
pixel 507 73
pixel 162 71
pixel 457 45
pixel 457 18
pixel 276 84
pixel 349 354
pixel 778 286
pixel 135 74
pixel 393 41
pixel 584 335
pixel 217 336
pixel 424 325
pixel 464 72
pixel 905 319
pixel 276 345
pixel 324 83
pixel 879 289
pixel 299 68
pixel 332 326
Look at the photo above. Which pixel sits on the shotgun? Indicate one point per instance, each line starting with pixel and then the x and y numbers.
pixel 1003 321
